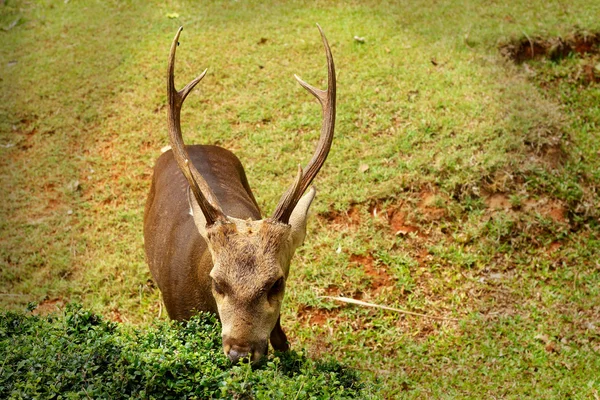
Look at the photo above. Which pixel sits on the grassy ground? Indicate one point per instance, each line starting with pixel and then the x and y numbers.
pixel 459 185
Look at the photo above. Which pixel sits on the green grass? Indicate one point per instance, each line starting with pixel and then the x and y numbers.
pixel 484 175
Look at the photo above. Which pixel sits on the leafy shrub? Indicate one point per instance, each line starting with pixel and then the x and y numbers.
pixel 80 355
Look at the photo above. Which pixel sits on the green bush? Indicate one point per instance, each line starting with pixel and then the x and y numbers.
pixel 78 354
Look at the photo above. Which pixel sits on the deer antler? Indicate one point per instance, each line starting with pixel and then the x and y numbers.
pixel 209 204
pixel 303 180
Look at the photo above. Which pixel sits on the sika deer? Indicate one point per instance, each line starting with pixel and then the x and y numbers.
pixel 208 247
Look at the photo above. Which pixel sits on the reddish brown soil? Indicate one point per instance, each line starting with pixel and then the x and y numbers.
pixel 49 306
pixel 396 219
pixel 315 316
pixel 554 246
pixel 590 73
pixel 419 216
pixel 380 278
pixel 397 216
pixel 553 155
pixel 422 256
pixel 348 218
pixel 115 315
pixel 52 205
pixel 549 208
pixel 557 213
pixel 398 225
pixel 332 290
pixel 497 201
pixel 553 48
pixel 427 205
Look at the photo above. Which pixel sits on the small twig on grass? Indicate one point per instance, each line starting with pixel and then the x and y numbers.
pixel 364 303
pixel 12 24
pixel 385 372
pixel 298 393
pixel 14 294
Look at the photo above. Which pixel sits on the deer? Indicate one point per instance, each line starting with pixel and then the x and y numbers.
pixel 207 245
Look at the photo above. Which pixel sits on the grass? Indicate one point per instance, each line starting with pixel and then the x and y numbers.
pixel 479 202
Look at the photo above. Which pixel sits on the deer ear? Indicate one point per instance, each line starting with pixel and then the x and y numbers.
pixel 196 213
pixel 299 217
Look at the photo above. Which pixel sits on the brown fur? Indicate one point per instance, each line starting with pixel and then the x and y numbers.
pixel 244 255
pixel 176 253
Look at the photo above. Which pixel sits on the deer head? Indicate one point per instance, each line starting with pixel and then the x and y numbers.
pixel 250 258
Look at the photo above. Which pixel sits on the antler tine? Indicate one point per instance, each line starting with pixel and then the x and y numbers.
pixel 327 99
pixel 289 199
pixel 199 187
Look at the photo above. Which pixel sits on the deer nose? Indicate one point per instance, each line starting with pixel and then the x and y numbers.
pixel 237 353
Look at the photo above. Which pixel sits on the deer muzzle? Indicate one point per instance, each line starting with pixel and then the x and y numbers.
pixel 237 351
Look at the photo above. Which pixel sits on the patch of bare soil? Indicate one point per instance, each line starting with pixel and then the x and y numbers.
pixel 553 209
pixel 427 205
pixel 549 208
pixel 554 246
pixel 349 218
pixel 315 316
pixel 115 316
pixel 497 201
pixel 397 216
pixel 396 219
pixel 332 290
pixel 591 72
pixel 584 45
pixel 49 306
pixel 552 155
pixel 555 48
pixel 378 274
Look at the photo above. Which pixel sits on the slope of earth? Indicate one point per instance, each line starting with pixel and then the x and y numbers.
pixel 461 184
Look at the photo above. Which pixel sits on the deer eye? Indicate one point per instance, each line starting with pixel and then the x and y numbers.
pixel 218 288
pixel 276 288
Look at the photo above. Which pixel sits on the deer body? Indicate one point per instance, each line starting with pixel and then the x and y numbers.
pixel 207 245
pixel 177 254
